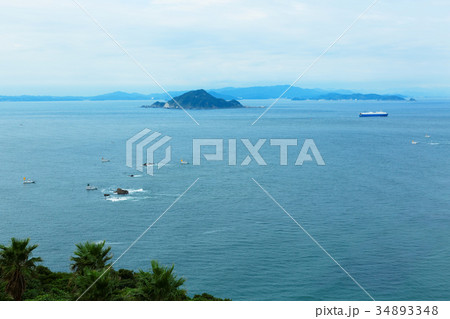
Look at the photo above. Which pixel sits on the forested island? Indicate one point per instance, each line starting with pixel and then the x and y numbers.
pixel 198 99
pixel 23 278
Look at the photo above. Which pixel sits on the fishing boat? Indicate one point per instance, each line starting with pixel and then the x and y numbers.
pixel 413 142
pixel 427 136
pixel 183 162
pixel 104 160
pixel 28 181
pixel 372 114
pixel 148 164
pixel 90 188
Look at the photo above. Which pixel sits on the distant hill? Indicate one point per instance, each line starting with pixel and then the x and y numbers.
pixel 270 92
pixel 198 99
pixel 221 96
pixel 119 95
pixel 355 96
pixel 296 93
pixel 229 93
pixel 38 98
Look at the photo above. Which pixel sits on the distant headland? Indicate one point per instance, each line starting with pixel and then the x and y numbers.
pixel 227 94
pixel 198 99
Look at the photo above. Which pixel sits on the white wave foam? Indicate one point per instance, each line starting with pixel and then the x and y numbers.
pixel 214 231
pixel 132 191
pixel 116 199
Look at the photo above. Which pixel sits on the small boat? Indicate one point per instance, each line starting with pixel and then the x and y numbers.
pixel 90 188
pixel 371 114
pixel 104 160
pixel 413 142
pixel 148 164
pixel 427 136
pixel 183 162
pixel 28 181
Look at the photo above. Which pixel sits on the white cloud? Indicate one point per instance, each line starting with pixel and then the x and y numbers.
pixel 198 43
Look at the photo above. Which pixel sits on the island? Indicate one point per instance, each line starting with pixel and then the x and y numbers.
pixel 353 96
pixel 197 99
pixel 225 97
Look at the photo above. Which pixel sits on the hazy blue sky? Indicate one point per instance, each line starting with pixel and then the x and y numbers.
pixel 52 47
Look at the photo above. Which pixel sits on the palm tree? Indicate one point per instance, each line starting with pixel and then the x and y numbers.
pixel 91 256
pixel 16 265
pixel 160 285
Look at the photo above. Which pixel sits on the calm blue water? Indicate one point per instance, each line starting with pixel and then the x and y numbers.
pixel 380 206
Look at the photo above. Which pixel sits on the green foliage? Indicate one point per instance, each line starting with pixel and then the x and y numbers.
pixel 103 289
pixel 17 265
pixel 4 296
pixel 53 285
pixel 56 296
pixel 21 278
pixel 127 294
pixel 126 279
pixel 207 297
pixel 160 285
pixel 90 255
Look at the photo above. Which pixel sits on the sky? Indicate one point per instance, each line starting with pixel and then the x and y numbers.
pixel 53 47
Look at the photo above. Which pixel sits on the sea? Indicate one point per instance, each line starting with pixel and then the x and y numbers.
pixel 373 222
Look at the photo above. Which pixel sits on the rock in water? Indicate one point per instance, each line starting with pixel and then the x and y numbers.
pixel 121 191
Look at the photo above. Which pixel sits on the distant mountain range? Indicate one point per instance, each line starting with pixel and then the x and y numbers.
pixel 198 99
pixel 354 96
pixel 229 93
